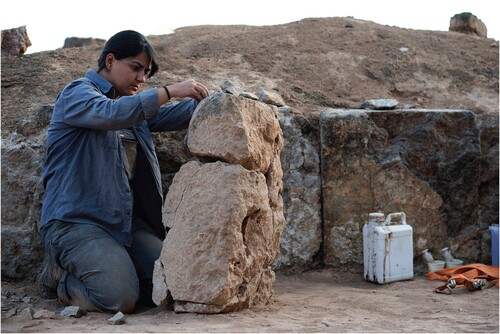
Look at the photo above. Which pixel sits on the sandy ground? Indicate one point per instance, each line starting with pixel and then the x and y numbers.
pixel 326 300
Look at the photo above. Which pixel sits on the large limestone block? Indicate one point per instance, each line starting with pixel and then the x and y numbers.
pixel 236 130
pixel 218 253
pixel 467 23
pixel 77 42
pixel 302 236
pixel 15 41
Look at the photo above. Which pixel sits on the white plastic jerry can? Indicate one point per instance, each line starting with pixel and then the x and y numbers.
pixel 387 248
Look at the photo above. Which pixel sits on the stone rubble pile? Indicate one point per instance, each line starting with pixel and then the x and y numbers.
pixel 224 210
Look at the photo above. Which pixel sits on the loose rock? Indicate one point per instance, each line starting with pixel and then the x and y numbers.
pixel 44 314
pixel 117 319
pixel 73 311
pixel 380 104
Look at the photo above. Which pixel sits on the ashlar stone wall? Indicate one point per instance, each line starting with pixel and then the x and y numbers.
pixel 441 167
pixel 426 163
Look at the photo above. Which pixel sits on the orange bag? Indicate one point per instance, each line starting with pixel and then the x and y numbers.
pixel 473 276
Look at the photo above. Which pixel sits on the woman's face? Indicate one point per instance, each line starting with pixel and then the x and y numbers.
pixel 128 74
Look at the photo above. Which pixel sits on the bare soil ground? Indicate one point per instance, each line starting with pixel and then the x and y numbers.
pixel 326 300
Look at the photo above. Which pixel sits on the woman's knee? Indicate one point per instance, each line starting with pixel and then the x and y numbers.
pixel 102 274
pixel 120 295
pixel 124 304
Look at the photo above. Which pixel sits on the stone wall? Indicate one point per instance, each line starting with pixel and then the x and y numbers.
pixel 426 163
pixel 224 210
pixel 439 166
pixel 302 237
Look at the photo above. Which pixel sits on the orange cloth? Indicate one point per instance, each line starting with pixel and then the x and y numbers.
pixel 465 275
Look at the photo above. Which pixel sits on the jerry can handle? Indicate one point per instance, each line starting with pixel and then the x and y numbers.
pixel 400 215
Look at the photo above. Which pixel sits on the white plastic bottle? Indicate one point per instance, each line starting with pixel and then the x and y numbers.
pixel 448 258
pixel 427 256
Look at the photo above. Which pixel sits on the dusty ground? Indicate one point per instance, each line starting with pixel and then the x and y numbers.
pixel 326 300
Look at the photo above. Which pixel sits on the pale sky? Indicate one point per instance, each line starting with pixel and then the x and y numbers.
pixel 50 22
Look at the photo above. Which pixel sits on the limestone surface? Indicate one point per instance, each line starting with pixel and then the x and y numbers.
pixel 224 211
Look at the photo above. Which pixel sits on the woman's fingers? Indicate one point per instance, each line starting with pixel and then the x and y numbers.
pixel 193 89
pixel 202 91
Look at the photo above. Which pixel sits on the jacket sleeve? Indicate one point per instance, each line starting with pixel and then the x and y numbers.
pixel 83 105
pixel 173 116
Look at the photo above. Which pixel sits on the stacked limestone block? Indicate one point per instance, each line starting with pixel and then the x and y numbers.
pixel 224 210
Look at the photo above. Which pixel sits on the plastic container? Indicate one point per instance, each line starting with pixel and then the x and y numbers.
pixel 494 244
pixel 436 265
pixel 427 256
pixel 454 263
pixel 387 248
pixel 447 255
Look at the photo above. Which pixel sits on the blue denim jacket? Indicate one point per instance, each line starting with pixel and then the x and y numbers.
pixel 83 172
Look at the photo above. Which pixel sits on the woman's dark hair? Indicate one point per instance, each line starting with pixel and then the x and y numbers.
pixel 128 43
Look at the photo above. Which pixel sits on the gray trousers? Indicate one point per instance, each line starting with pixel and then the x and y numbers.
pixel 99 273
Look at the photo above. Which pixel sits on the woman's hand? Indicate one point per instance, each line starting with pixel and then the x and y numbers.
pixel 189 88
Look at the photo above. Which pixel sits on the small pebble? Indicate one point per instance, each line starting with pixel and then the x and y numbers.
pixel 117 319
pixel 73 311
pixel 26 313
pixel 44 314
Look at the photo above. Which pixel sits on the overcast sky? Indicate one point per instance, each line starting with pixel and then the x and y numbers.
pixel 50 22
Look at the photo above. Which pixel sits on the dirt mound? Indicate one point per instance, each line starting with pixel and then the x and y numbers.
pixel 327 62
pixel 340 62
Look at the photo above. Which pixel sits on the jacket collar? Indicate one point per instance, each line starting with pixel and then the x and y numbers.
pixel 104 85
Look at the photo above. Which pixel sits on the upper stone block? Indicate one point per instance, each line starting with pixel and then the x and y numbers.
pixel 235 130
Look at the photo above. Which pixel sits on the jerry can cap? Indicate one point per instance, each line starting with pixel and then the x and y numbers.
pixel 378 217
